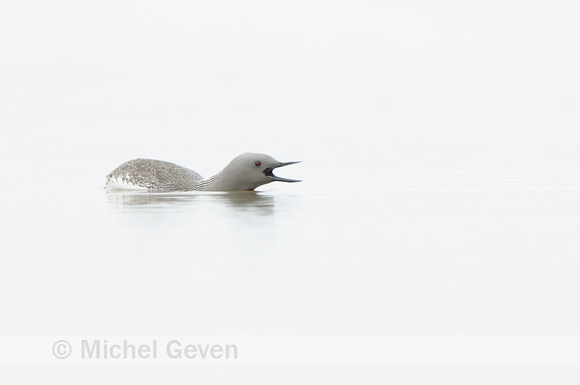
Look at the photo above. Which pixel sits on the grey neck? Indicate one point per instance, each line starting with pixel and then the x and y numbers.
pixel 209 184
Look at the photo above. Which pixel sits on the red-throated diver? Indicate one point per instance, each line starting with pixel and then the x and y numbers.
pixel 244 172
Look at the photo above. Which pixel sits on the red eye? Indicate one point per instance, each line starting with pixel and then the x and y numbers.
pixel 258 163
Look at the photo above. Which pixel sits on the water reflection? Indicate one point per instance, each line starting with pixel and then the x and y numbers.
pixel 256 202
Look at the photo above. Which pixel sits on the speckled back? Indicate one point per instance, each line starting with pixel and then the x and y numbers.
pixel 153 174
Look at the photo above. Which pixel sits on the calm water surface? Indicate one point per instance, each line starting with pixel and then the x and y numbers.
pixel 474 250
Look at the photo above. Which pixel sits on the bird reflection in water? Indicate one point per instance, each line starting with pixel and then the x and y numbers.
pixel 257 202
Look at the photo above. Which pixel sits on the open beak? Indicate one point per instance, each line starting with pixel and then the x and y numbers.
pixel 269 172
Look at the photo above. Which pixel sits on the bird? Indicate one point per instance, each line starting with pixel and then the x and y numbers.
pixel 245 172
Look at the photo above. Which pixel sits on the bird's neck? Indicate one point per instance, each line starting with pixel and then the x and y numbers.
pixel 213 183
pixel 228 179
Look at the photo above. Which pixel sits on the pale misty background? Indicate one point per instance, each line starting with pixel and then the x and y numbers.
pixel 440 164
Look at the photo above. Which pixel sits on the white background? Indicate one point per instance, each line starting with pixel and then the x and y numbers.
pixel 441 169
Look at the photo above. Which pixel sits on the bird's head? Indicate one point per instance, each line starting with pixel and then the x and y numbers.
pixel 250 170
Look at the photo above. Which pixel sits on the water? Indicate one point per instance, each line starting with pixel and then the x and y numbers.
pixel 459 251
pixel 433 249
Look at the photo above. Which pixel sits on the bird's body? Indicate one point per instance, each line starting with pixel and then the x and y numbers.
pixel 245 172
pixel 153 174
